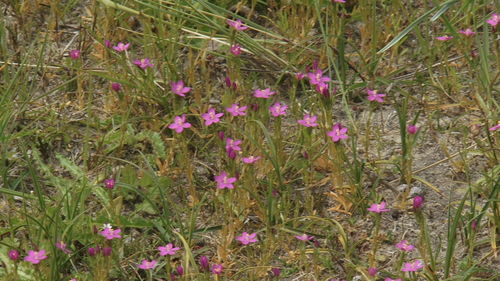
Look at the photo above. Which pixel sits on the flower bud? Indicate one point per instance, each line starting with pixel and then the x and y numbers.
pixel 109 183
pixel 106 251
pixel 13 255
pixel 204 264
pixel 75 54
pixel 412 129
pixel 418 202
pixel 116 86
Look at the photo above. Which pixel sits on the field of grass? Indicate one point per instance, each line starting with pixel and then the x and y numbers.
pixel 313 140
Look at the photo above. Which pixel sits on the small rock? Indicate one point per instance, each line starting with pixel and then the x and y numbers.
pixel 416 190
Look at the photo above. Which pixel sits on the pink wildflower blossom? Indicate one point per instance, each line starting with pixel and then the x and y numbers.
pixel 233 144
pixel 444 38
pixel 75 54
pixel 237 24
pixel 405 246
pixel 304 237
pixel 494 128
pixel 413 266
pixel 235 50
pixel 246 238
pixel 121 47
pixel 110 233
pixel 211 117
pixel 300 75
pixel 109 183
pixel 266 93
pixel 373 95
pixel 338 1
pixel 148 264
pixel 317 77
pixel 378 208
pixel 250 159
pixel 467 32
pixel 308 121
pixel 322 88
pixel 179 124
pixel 223 181
pixel 63 247
pixel 237 110
pixel 35 257
pixel 338 132
pixel 143 63
pixel 178 88
pixel 494 20
pixel 278 109
pixel 217 269
pixel 168 249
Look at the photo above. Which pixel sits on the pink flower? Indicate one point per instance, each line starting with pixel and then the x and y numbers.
pixel 179 124
pixel 317 77
pixel 237 110
pixel 211 117
pixel 412 129
pixel 404 246
pixel 237 24
pixel 418 202
pixel 236 49
pixel 143 63
pixel 494 20
pixel 373 95
pixel 217 269
pixel 278 109
pixel 223 181
pixel 444 38
pixel 300 75
pixel 35 257
pixel 304 237
pixel 63 247
pixel 246 238
pixel 107 251
pixel 412 266
pixel 378 208
pixel 110 233
pixel 108 43
pixel 372 271
pixel 389 279
pixel 494 128
pixel 250 159
pixel 74 54
pixel 179 89
pixel 338 132
pixel 13 255
pixel 168 249
pixel 468 32
pixel 148 264
pixel 266 93
pixel 233 144
pixel 338 1
pixel 322 88
pixel 116 87
pixel 120 47
pixel 308 121
pixel 109 183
